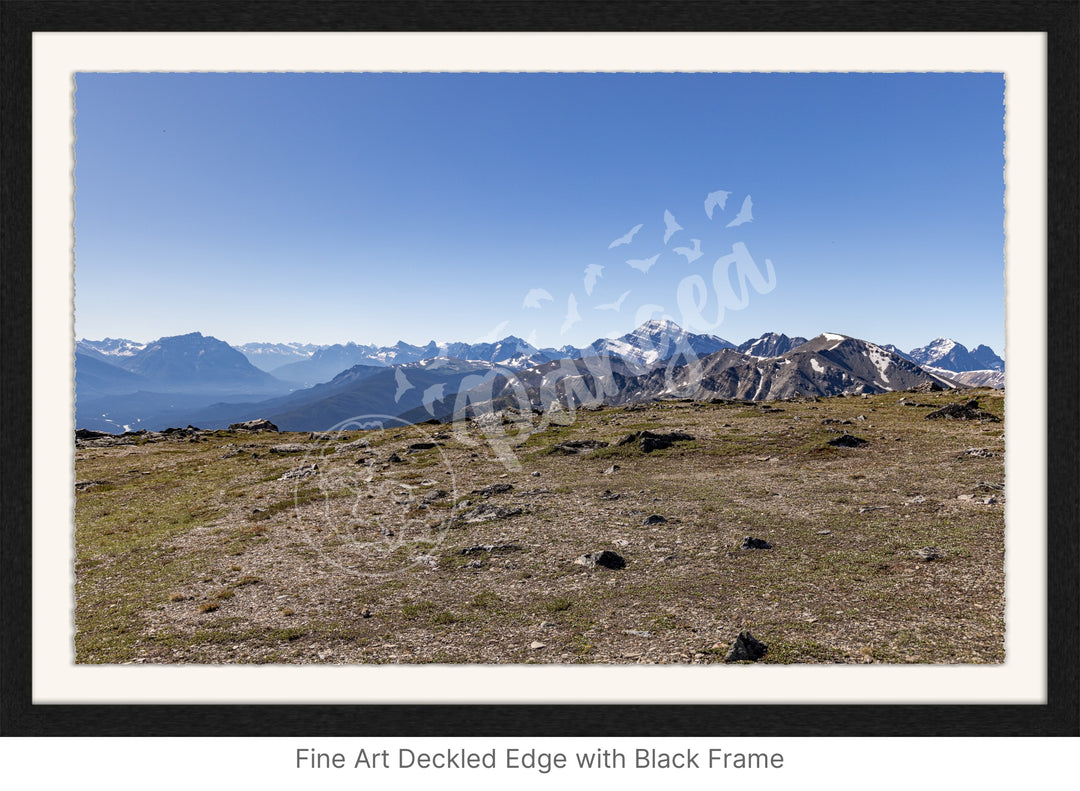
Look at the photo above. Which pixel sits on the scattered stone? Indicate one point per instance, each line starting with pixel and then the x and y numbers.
pixel 495 488
pixel 82 486
pixel 255 511
pixel 536 645
pixel 475 564
pixel 605 558
pixel 755 543
pixel 987 486
pixel 386 531
pixel 303 471
pixel 927 387
pixel 347 446
pixel 609 495
pixel 965 497
pixel 988 500
pixel 655 519
pixel 324 436
pixel 981 453
pixel 290 447
pixel 637 633
pixel 536 475
pixel 419 446
pixel 868 508
pixel 614 468
pixel 746 649
pixel 968 411
pixel 847 441
pixel 393 458
pixel 917 500
pixel 365 613
pixel 438 494
pixel 487 513
pixel 575 445
pixel 824 532
pixel 253 425
pixel 929 553
pixel 490 549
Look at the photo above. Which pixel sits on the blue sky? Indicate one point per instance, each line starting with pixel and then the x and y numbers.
pixel 329 208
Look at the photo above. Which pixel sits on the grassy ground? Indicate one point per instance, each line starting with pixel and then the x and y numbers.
pixel 197 551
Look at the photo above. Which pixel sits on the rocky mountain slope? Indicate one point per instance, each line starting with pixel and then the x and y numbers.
pixel 827 365
pixel 770 344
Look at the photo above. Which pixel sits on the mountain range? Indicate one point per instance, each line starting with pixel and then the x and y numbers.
pixel 122 384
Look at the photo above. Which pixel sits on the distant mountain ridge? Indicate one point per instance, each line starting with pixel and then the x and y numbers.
pixel 827 365
pixel 268 356
pixel 194 378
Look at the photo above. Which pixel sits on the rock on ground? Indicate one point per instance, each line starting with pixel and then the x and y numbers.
pixel 746 649
pixel 605 558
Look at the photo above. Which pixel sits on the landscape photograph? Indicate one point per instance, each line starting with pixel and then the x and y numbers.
pixel 539 368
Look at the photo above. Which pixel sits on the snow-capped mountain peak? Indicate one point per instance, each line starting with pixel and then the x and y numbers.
pixel 952 356
pixel 113 347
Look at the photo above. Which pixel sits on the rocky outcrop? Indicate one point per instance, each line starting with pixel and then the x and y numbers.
pixel 967 411
pixel 260 424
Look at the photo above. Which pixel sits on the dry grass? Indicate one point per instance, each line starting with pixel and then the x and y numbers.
pixel 364 563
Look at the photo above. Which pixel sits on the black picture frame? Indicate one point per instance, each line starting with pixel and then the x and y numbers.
pixel 1059 716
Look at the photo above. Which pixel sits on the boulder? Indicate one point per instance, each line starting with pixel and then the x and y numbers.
pixel 490 549
pixel 754 543
pixel 487 513
pixel 577 445
pixel 967 411
pixel 605 558
pixel 253 425
pixel 495 488
pixel 847 441
pixel 303 471
pixel 746 649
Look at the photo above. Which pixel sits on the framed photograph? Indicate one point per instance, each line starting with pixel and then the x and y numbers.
pixel 416 369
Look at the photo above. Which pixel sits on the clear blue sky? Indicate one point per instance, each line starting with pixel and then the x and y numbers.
pixel 376 207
